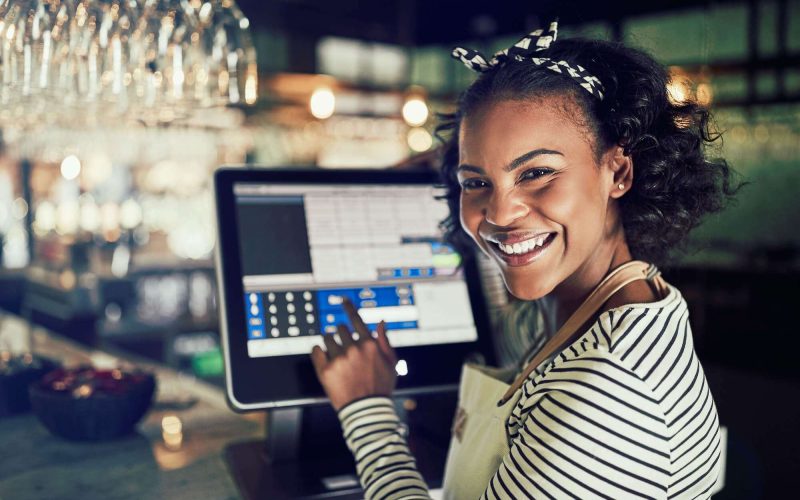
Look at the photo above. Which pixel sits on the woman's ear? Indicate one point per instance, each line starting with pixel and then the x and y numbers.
pixel 621 166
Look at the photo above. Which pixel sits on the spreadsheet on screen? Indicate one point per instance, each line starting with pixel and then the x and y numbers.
pixel 306 247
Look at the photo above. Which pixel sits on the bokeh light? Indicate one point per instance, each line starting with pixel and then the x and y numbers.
pixel 419 139
pixel 415 111
pixel 323 103
pixel 70 167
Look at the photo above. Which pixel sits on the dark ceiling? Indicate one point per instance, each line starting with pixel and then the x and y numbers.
pixel 422 22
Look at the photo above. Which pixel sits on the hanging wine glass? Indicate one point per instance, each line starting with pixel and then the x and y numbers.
pixel 96 61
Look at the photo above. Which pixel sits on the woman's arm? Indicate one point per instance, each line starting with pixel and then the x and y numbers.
pixel 376 436
pixel 358 376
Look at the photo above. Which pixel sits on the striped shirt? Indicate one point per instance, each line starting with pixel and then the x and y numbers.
pixel 622 412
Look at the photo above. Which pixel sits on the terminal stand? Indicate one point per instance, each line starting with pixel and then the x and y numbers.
pixel 304 456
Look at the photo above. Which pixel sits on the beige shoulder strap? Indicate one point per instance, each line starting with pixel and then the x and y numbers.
pixel 611 284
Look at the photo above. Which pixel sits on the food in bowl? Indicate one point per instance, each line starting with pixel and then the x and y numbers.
pixel 85 403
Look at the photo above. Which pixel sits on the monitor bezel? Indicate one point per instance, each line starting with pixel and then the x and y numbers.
pixel 239 367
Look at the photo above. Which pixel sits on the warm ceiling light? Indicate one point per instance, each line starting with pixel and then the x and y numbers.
pixel 419 139
pixel 323 103
pixel 415 111
pixel 676 92
pixel 679 86
pixel 704 94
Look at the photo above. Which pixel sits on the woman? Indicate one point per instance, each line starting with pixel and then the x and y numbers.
pixel 567 165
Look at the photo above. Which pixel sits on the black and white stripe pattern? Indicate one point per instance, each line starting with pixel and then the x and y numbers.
pixel 525 50
pixel 384 464
pixel 623 412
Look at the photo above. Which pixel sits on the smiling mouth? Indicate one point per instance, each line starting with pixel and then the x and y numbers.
pixel 522 252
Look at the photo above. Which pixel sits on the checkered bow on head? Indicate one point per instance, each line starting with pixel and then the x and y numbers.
pixel 526 50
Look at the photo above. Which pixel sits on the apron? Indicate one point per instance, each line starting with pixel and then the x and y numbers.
pixel 486 399
pixel 479 439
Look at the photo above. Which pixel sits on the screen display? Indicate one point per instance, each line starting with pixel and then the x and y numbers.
pixel 306 247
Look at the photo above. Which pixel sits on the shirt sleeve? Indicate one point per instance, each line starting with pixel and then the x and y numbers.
pixel 590 428
pixel 376 437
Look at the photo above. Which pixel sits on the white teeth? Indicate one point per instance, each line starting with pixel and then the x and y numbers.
pixel 506 248
pixel 523 246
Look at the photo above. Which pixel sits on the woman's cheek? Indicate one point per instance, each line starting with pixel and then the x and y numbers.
pixel 575 211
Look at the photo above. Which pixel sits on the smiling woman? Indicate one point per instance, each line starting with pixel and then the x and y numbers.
pixel 568 166
pixel 528 175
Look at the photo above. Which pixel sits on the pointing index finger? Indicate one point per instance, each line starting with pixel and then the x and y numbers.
pixel 355 319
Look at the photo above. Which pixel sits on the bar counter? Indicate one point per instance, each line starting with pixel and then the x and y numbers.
pixel 35 464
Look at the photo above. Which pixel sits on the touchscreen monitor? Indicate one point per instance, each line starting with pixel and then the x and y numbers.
pixel 304 242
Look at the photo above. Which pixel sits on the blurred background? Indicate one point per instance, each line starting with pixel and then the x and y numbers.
pixel 110 136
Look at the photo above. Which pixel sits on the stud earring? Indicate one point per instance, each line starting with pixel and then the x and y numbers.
pixel 621 186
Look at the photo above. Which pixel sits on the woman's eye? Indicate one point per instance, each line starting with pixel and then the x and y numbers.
pixel 468 184
pixel 535 173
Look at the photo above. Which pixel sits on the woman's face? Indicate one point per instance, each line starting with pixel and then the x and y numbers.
pixel 533 196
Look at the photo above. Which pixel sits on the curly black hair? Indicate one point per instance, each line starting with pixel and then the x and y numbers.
pixel 675 181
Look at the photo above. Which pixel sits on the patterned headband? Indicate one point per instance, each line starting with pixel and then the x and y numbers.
pixel 525 50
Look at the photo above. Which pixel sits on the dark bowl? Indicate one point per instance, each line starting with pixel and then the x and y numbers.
pixel 90 405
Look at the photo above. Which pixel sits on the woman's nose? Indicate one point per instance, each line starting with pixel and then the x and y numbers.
pixel 504 209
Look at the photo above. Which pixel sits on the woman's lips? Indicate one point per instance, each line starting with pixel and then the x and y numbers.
pixel 521 259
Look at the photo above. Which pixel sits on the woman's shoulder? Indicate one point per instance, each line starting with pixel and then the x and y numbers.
pixel 586 380
pixel 625 327
pixel 628 334
pixel 615 353
pixel 639 339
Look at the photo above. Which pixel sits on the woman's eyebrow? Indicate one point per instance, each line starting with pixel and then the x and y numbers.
pixel 521 160
pixel 469 168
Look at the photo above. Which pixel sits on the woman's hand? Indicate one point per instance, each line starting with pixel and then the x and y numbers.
pixel 355 368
